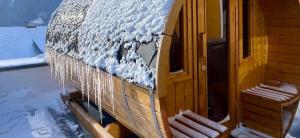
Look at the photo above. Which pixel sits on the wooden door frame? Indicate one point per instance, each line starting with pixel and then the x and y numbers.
pixel 233 98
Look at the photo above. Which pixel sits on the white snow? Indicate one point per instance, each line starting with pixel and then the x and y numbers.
pixel 23 61
pixel 105 27
pixel 17 42
pixel 37 21
pixel 244 132
pixel 31 107
pixel 110 24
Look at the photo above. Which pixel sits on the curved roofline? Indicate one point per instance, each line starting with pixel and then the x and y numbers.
pixel 164 48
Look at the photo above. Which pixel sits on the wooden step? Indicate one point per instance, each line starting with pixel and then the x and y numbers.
pixel 263 108
pixel 190 124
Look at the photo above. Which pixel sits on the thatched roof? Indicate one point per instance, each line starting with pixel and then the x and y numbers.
pixel 117 36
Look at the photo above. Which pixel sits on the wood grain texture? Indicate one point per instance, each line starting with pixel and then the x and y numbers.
pixel 283 27
pixel 252 69
pixel 180 86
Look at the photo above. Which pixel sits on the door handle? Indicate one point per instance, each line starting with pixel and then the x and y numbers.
pixel 204 68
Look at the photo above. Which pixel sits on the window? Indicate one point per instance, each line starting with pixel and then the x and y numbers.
pixel 176 55
pixel 246 30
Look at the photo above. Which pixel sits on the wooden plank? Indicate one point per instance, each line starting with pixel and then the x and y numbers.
pixel 261 128
pixel 144 112
pixel 261 111
pixel 186 130
pixel 171 99
pixel 178 134
pixel 117 130
pixel 279 93
pixel 291 89
pixel 292 22
pixel 265 121
pixel 198 127
pixel 283 76
pixel 195 57
pixel 141 95
pixel 233 63
pixel 262 102
pixel 282 58
pixel 179 96
pixel 147 129
pixel 202 120
pixel 284 67
pixel 90 124
pixel 261 95
pixel 284 31
pixel 201 16
pixel 273 39
pixel 287 50
pixel 282 14
pixel 280 5
pixel 188 95
pixel 289 40
pixel 283 22
pixel 273 94
pixel 172 18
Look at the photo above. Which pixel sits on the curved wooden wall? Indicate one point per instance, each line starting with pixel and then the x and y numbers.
pixel 176 90
pixel 283 28
pixel 252 69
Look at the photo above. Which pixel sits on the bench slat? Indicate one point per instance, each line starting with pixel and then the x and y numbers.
pixel 281 97
pixel 261 101
pixel 205 121
pixel 188 131
pixel 293 92
pixel 196 126
pixel 276 125
pixel 262 95
pixel 269 90
pixel 178 134
pixel 261 111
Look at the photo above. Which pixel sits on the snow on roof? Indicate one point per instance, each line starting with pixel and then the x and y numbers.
pixel 117 36
pixel 18 42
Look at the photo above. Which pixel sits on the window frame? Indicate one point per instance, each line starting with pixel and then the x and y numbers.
pixel 249 58
pixel 186 71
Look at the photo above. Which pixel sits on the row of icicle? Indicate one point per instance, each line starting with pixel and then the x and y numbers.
pixel 91 80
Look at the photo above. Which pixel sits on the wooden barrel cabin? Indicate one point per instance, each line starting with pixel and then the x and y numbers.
pixel 181 68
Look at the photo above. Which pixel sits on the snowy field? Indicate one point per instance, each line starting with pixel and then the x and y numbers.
pixel 295 129
pixel 31 107
pixel 21 42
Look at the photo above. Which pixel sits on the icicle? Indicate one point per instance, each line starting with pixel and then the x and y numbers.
pixel 81 81
pixel 99 95
pixel 88 84
pixel 93 82
pixel 111 85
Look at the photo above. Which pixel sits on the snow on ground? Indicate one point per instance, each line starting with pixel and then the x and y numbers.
pixel 27 113
pixel 31 107
pixel 295 128
pixel 23 61
pixel 21 42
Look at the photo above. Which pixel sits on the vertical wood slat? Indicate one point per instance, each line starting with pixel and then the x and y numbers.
pixel 252 69
pixel 171 100
pixel 188 94
pixel 180 96
pixel 181 89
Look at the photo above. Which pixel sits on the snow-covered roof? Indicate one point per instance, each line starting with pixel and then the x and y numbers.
pixel 117 36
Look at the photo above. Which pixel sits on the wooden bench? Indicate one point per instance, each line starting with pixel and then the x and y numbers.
pixel 269 109
pixel 188 124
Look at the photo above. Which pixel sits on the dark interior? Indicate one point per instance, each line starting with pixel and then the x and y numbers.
pixel 217 71
pixel 176 54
